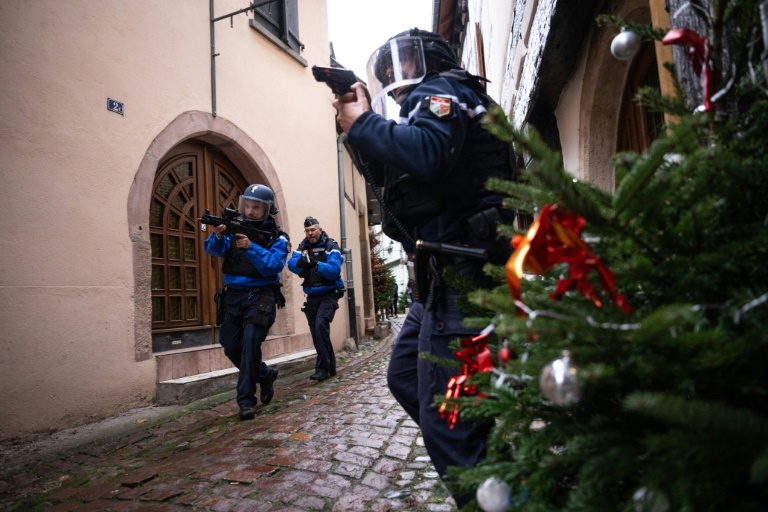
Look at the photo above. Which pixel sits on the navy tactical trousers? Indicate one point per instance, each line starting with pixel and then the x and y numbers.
pixel 320 310
pixel 242 340
pixel 415 381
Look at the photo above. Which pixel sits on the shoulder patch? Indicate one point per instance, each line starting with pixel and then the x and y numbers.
pixel 440 105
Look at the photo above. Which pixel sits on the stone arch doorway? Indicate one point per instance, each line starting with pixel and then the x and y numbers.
pixel 250 162
pixel 605 81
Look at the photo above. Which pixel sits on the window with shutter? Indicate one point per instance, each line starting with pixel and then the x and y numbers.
pixel 281 19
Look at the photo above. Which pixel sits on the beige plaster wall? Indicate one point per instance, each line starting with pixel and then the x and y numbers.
pixel 569 114
pixel 71 338
pixel 495 19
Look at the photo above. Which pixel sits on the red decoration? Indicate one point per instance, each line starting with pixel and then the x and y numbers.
pixel 555 238
pixel 698 54
pixel 476 357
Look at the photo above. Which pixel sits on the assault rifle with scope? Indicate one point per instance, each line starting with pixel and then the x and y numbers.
pixel 231 219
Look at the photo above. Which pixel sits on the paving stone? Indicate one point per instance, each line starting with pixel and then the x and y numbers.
pixel 353 459
pixel 193 499
pixel 276 495
pixel 234 490
pixel 388 467
pixel 376 481
pixel 218 504
pixel 364 441
pixel 105 490
pixel 318 466
pixel 138 477
pixel 248 505
pixel 242 477
pixel 339 445
pixel 162 493
pixel 281 461
pixel 365 451
pixel 267 443
pixel 310 502
pixel 351 502
pixel 351 470
pixel 398 451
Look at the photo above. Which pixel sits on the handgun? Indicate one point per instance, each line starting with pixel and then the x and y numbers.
pixel 340 80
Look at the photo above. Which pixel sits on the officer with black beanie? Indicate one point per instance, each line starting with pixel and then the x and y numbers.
pixel 318 261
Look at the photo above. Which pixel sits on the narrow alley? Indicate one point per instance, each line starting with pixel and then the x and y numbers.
pixel 343 444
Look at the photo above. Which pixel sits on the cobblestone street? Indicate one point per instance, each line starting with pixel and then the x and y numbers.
pixel 342 444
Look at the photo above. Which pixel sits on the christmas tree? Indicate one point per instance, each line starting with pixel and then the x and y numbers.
pixel 383 280
pixel 630 330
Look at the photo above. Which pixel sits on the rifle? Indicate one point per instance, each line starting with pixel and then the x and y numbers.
pixel 236 225
pixel 338 79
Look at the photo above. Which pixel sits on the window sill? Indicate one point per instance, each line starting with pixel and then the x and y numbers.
pixel 287 49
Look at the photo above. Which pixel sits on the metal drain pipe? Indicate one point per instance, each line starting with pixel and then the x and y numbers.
pixel 346 250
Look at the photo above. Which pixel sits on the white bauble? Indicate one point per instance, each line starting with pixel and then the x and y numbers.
pixel 493 495
pixel 625 45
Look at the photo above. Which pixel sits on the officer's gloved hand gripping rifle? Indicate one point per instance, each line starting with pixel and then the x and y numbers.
pixel 235 224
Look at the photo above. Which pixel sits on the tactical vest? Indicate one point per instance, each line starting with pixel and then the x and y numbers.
pixel 237 263
pixel 410 201
pixel 312 279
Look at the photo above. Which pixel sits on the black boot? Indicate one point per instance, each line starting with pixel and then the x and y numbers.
pixel 319 375
pixel 268 387
pixel 247 412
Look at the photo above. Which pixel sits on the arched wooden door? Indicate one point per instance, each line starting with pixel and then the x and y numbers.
pixel 193 178
pixel 639 126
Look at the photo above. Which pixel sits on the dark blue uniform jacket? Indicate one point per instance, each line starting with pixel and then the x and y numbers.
pixel 438 142
pixel 328 272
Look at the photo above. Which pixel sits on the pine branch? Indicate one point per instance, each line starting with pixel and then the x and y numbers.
pixel 700 415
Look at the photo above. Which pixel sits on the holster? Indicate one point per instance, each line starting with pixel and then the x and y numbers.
pixel 263 315
pixel 481 233
pixel 218 299
pixel 419 277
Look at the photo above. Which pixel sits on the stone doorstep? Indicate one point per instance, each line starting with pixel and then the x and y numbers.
pixel 184 390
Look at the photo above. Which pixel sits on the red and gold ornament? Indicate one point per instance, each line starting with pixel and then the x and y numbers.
pixel 475 357
pixel 698 54
pixel 555 237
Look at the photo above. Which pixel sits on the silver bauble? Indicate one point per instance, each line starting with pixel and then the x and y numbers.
pixel 625 45
pixel 558 381
pixel 646 500
pixel 493 495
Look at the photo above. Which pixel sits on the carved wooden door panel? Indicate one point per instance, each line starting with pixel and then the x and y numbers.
pixel 192 179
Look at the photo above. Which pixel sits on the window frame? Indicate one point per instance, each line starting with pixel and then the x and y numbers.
pixel 279 21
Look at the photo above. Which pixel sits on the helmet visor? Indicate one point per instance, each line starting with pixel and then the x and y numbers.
pixel 397 63
pixel 252 208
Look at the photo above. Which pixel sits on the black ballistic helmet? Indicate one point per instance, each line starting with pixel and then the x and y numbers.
pixel 260 193
pixel 403 61
pixel 437 52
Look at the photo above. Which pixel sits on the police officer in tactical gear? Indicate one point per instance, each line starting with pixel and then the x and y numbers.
pixel 433 164
pixel 318 260
pixel 251 269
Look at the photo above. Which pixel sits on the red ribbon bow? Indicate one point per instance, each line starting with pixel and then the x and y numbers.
pixel 555 238
pixel 698 54
pixel 476 357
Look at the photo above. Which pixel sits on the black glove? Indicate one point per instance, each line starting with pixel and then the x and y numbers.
pixel 312 263
pixel 301 263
